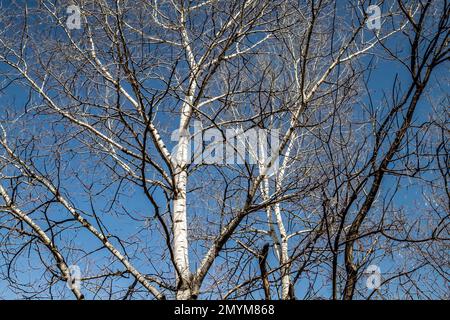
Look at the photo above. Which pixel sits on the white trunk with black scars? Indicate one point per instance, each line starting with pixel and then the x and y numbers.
pixel 180 244
pixel 180 227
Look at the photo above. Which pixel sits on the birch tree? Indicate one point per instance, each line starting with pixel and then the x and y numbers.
pixel 122 149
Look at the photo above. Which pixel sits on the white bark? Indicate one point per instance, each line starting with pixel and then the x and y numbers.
pixel 180 242
pixel 180 228
pixel 62 265
pixel 284 254
pixel 84 222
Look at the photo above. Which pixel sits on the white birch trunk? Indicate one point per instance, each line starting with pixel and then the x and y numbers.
pixel 284 252
pixel 180 232
pixel 284 255
pixel 180 244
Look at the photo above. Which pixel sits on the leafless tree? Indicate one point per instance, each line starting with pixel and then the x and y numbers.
pixel 111 153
